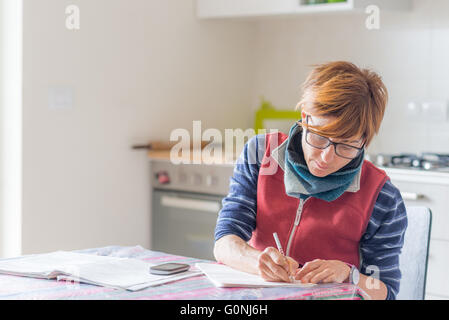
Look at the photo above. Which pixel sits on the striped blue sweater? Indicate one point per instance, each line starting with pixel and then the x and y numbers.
pixel 380 245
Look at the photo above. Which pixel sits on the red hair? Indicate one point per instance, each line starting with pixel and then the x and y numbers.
pixel 356 97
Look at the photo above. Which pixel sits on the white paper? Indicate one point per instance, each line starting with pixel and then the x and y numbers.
pixel 48 264
pixel 137 287
pixel 125 273
pixel 130 274
pixel 224 276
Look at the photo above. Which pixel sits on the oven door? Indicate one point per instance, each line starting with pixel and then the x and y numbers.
pixel 183 223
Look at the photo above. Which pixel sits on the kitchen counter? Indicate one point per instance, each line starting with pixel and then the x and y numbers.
pixel 441 177
pixel 413 175
pixel 195 157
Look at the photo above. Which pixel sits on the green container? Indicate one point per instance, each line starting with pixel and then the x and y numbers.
pixel 323 1
pixel 268 112
pixel 315 1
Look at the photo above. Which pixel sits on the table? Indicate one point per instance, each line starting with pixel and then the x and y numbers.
pixel 194 288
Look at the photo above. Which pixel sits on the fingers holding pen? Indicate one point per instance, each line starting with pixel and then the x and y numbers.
pixel 273 266
pixel 293 265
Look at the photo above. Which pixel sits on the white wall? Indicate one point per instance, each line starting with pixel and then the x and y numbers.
pixel 10 127
pixel 410 51
pixel 137 69
pixel 2 222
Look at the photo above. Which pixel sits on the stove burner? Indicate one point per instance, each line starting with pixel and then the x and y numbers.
pixel 425 161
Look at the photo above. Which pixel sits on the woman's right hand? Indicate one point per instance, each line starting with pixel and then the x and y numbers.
pixel 275 267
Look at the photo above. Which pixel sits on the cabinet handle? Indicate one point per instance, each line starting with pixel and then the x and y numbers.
pixel 190 204
pixel 412 196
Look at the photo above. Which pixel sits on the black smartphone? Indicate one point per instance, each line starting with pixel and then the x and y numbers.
pixel 169 268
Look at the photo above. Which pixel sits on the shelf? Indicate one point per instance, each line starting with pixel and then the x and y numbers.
pixel 215 9
pixel 325 7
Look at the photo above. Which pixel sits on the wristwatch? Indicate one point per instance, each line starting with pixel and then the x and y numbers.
pixel 354 275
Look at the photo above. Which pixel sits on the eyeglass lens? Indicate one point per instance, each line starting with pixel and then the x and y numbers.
pixel 320 142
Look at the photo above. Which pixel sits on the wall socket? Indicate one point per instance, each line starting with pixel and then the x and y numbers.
pixel 431 110
pixel 60 98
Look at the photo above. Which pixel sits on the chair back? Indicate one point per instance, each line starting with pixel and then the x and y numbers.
pixel 414 256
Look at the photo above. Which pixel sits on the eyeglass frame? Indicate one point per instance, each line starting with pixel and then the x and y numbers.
pixel 335 144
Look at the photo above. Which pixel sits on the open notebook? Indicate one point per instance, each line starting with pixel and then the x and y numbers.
pixel 120 273
pixel 224 276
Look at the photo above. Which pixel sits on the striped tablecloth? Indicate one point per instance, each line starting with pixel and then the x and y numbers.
pixel 195 288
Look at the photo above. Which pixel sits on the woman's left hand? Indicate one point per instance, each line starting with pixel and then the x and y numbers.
pixel 323 271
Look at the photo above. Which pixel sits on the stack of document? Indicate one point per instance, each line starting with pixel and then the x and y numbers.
pixel 120 273
pixel 224 276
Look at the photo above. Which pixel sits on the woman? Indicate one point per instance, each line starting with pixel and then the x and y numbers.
pixel 335 213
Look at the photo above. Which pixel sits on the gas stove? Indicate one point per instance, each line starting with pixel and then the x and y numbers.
pixel 425 161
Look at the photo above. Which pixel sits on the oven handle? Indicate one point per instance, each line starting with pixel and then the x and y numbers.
pixel 412 196
pixel 191 204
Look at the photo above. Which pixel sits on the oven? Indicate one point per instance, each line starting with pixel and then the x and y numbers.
pixel 186 200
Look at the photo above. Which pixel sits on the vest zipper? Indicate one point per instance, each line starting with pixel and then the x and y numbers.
pixel 297 220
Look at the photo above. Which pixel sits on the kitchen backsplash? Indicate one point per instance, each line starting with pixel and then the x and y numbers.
pixel 409 50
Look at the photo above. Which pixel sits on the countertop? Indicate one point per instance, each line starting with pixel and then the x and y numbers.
pixel 413 175
pixel 195 157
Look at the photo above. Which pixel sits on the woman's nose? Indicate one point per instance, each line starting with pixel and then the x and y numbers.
pixel 328 154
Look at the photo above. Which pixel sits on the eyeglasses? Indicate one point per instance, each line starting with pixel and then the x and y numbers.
pixel 341 149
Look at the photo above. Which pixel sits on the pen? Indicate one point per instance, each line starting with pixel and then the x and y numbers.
pixel 278 244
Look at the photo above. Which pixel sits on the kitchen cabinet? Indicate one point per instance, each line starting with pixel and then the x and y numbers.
pixel 242 8
pixel 430 189
pixel 266 8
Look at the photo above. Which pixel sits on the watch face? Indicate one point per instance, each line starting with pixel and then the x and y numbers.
pixel 355 276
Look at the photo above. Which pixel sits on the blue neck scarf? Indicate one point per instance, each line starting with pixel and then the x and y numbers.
pixel 300 183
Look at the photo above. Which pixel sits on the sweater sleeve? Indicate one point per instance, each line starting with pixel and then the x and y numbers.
pixel 238 214
pixel 383 240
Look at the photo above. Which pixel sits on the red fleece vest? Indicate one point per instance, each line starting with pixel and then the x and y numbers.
pixel 326 230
